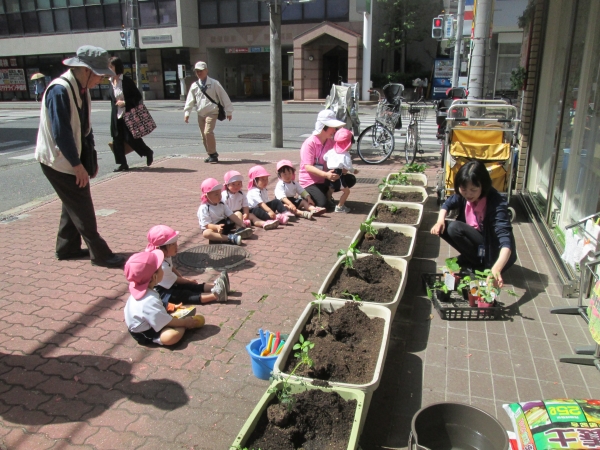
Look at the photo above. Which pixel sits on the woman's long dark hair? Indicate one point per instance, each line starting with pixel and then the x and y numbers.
pixel 476 173
pixel 116 62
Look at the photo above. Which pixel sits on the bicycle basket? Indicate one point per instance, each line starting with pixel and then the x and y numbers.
pixel 419 112
pixel 387 114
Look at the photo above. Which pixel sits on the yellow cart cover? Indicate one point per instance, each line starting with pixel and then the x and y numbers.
pixel 486 145
pixel 497 172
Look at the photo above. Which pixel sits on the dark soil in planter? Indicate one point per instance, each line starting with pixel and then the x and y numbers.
pixel 317 420
pixel 396 196
pixel 401 215
pixel 346 345
pixel 387 242
pixel 371 278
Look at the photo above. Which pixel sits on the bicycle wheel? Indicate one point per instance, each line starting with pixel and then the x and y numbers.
pixel 375 144
pixel 410 145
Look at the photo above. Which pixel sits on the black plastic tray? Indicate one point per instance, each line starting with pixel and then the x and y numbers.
pixel 458 308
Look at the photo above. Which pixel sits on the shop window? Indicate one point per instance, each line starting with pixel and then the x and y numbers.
pixel 78 20
pixel 167 12
pixel 12 6
pixel 208 13
pixel 314 10
pixel 248 11
pixel 228 11
pixel 92 2
pixel 94 17
pixel 15 26
pixel 264 11
pixel 59 3
pixel 27 5
pixel 112 15
pixel 3 25
pixel 338 9
pixel 75 3
pixel 291 12
pixel 62 21
pixel 148 16
pixel 43 4
pixel 30 23
pixel 46 23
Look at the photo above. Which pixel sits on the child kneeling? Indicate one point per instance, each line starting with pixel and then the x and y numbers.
pixel 340 160
pixel 146 318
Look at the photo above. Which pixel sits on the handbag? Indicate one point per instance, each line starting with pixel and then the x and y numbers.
pixel 222 114
pixel 88 156
pixel 139 121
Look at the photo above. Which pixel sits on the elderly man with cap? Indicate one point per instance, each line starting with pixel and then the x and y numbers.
pixel 314 176
pixel 65 122
pixel 206 94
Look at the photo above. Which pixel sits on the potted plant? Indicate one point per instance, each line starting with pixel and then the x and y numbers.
pixel 442 293
pixel 463 286
pixel 393 240
pixel 415 168
pixel 402 213
pixel 410 194
pixel 487 291
pixel 406 179
pixel 452 267
pixel 368 229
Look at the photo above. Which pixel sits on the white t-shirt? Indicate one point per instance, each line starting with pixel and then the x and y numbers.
pixel 292 189
pixel 236 201
pixel 338 160
pixel 257 196
pixel 169 277
pixel 208 213
pixel 145 313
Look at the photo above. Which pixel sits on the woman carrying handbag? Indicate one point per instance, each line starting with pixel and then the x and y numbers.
pixel 124 95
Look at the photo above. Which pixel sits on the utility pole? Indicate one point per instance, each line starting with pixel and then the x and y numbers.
pixel 275 51
pixel 136 42
pixel 458 43
pixel 367 44
pixel 483 12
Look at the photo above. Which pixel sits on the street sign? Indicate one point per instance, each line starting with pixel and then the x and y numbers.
pixel 448 26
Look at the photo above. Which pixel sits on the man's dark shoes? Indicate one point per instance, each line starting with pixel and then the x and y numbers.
pixel 113 261
pixel 122 168
pixel 81 253
pixel 149 158
pixel 214 158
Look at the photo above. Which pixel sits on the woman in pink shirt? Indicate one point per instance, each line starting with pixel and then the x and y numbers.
pixel 314 175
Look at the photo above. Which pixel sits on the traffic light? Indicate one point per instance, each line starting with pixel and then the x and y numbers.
pixel 437 28
pixel 123 38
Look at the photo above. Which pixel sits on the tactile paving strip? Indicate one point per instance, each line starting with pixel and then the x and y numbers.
pixel 215 256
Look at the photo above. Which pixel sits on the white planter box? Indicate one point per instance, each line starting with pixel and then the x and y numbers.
pixel 411 176
pixel 416 206
pixel 418 189
pixel 404 229
pixel 347 394
pixel 370 309
pixel 394 261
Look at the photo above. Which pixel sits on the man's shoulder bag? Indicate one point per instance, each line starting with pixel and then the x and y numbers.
pixel 222 114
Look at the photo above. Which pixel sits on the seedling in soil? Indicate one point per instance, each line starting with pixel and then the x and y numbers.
pixel 392 209
pixel 437 285
pixel 464 283
pixel 415 168
pixel 386 191
pixel 349 255
pixel 452 265
pixel 400 179
pixel 353 297
pixel 318 304
pixel 373 251
pixel 368 229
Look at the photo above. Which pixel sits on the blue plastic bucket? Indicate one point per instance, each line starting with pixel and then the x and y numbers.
pixel 262 366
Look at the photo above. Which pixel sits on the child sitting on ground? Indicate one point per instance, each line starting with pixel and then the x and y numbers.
pixel 294 197
pixel 217 221
pixel 146 318
pixel 174 287
pixel 234 198
pixel 273 211
pixel 340 160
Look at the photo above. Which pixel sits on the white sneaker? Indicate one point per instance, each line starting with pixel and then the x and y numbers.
pixel 342 209
pixel 307 214
pixel 271 224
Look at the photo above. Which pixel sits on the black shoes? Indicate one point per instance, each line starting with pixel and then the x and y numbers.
pixel 214 158
pixel 81 253
pixel 112 262
pixel 122 168
pixel 149 158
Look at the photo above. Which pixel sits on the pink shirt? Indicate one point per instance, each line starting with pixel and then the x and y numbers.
pixel 475 212
pixel 312 153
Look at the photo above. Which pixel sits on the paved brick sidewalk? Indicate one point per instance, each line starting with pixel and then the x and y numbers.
pixel 72 377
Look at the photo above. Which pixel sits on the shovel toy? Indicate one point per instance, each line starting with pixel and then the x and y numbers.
pixel 263 340
pixel 276 343
pixel 266 351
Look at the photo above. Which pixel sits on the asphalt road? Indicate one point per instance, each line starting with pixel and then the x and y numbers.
pixel 21 180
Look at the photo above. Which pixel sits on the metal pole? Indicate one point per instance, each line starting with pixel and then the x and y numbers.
pixel 482 24
pixel 276 99
pixel 458 43
pixel 136 42
pixel 367 33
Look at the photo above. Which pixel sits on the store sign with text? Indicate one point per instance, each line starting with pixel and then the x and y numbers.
pixel 247 50
pixel 12 80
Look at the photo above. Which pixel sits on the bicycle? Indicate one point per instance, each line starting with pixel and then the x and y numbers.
pixel 376 143
pixel 415 112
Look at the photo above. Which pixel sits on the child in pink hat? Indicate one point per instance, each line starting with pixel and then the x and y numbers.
pixel 340 161
pixel 294 197
pixel 174 287
pixel 217 221
pixel 146 318
pixel 271 211
pixel 236 200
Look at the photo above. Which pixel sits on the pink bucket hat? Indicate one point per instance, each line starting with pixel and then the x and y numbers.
pixel 160 235
pixel 209 185
pixel 231 177
pixel 256 172
pixel 139 269
pixel 284 163
pixel 343 140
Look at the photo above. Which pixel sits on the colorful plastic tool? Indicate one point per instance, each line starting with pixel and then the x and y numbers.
pixel 280 347
pixel 263 341
pixel 276 343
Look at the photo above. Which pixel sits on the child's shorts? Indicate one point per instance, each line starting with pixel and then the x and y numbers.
pixel 150 336
pixel 229 226
pixel 296 201
pixel 347 181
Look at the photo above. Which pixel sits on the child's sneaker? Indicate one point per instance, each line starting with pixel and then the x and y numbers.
pixel 199 321
pixel 247 223
pixel 318 211
pixel 342 209
pixel 234 239
pixel 307 214
pixel 225 277
pixel 282 219
pixel 220 290
pixel 244 233
pixel 270 224
pixel 291 216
